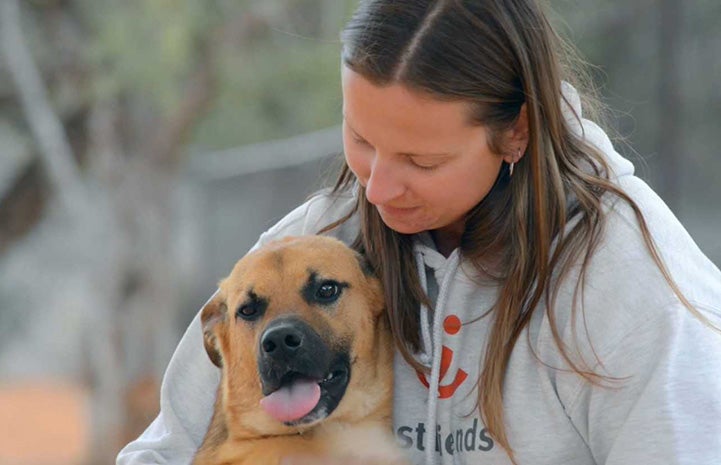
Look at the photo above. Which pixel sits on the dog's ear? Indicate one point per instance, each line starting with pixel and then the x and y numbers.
pixel 212 314
pixel 365 265
pixel 376 288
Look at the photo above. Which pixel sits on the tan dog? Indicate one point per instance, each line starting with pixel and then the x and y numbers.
pixel 300 333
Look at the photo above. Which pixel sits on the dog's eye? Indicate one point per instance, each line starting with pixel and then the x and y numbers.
pixel 247 311
pixel 252 309
pixel 328 291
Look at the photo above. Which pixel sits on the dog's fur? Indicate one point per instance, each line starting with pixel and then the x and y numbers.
pixel 278 282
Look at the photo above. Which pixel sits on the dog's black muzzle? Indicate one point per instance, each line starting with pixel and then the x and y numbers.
pixel 290 349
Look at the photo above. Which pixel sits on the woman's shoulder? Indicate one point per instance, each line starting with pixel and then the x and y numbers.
pixel 624 251
pixel 622 264
pixel 622 287
pixel 621 316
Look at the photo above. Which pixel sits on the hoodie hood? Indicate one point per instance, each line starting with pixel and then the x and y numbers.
pixel 592 133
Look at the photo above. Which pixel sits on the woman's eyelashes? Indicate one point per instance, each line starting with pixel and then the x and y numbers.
pixel 422 166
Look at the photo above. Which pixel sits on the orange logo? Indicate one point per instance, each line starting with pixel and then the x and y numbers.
pixel 451 325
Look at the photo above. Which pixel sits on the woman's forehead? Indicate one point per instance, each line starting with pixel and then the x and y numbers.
pixel 373 110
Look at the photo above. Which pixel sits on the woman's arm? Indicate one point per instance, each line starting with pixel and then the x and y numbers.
pixel 667 409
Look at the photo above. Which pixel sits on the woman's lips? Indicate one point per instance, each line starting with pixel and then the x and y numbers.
pixel 395 211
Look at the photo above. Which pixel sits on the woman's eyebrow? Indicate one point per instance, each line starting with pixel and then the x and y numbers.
pixel 406 154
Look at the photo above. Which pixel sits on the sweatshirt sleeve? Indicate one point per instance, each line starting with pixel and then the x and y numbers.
pixel 188 389
pixel 666 406
pixel 187 394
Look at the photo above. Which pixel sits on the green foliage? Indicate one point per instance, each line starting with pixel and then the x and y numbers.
pixel 274 90
pixel 273 80
pixel 145 47
pixel 282 80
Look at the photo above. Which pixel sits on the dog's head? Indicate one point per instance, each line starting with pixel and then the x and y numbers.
pixel 299 331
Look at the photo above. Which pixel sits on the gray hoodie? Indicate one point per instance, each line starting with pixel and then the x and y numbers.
pixel 661 402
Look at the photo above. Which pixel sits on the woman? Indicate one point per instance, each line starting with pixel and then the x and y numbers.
pixel 547 306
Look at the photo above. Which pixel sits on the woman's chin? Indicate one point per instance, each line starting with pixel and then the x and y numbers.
pixel 402 227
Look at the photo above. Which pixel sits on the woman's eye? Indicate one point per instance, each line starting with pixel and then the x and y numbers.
pixel 425 167
pixel 328 291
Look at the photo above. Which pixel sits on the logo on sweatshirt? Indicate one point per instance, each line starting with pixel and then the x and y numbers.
pixel 451 325
pixel 462 440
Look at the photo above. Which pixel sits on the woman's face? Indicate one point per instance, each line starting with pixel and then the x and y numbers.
pixel 421 161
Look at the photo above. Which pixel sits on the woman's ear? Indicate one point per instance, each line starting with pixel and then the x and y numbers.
pixel 517 140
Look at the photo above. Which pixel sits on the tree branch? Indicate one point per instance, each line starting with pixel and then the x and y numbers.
pixel 163 149
pixel 45 125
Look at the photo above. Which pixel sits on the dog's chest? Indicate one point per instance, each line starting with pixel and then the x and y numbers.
pixel 371 442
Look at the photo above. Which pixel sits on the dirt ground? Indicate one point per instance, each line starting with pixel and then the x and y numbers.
pixel 43 423
pixel 48 422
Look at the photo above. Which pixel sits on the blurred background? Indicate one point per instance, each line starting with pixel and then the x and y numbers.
pixel 145 144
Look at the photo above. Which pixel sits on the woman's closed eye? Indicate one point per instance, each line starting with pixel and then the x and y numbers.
pixel 426 166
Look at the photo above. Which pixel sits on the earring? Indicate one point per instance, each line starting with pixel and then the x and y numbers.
pixel 513 163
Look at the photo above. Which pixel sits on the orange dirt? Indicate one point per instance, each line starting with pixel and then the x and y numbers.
pixel 44 423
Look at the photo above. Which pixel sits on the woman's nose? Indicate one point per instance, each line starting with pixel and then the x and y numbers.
pixel 383 184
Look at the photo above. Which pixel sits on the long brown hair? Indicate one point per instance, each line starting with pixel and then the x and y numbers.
pixel 498 55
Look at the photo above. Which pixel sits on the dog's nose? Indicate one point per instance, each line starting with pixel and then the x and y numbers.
pixel 290 348
pixel 284 337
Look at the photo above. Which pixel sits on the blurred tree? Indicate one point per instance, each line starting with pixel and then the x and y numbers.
pixel 111 93
pixel 656 62
pixel 121 202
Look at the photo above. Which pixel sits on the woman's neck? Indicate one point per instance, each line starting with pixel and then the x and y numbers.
pixel 448 238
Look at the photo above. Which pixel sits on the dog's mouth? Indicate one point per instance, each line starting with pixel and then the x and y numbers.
pixel 301 399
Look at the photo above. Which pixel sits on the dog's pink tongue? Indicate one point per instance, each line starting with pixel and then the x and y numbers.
pixel 292 402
